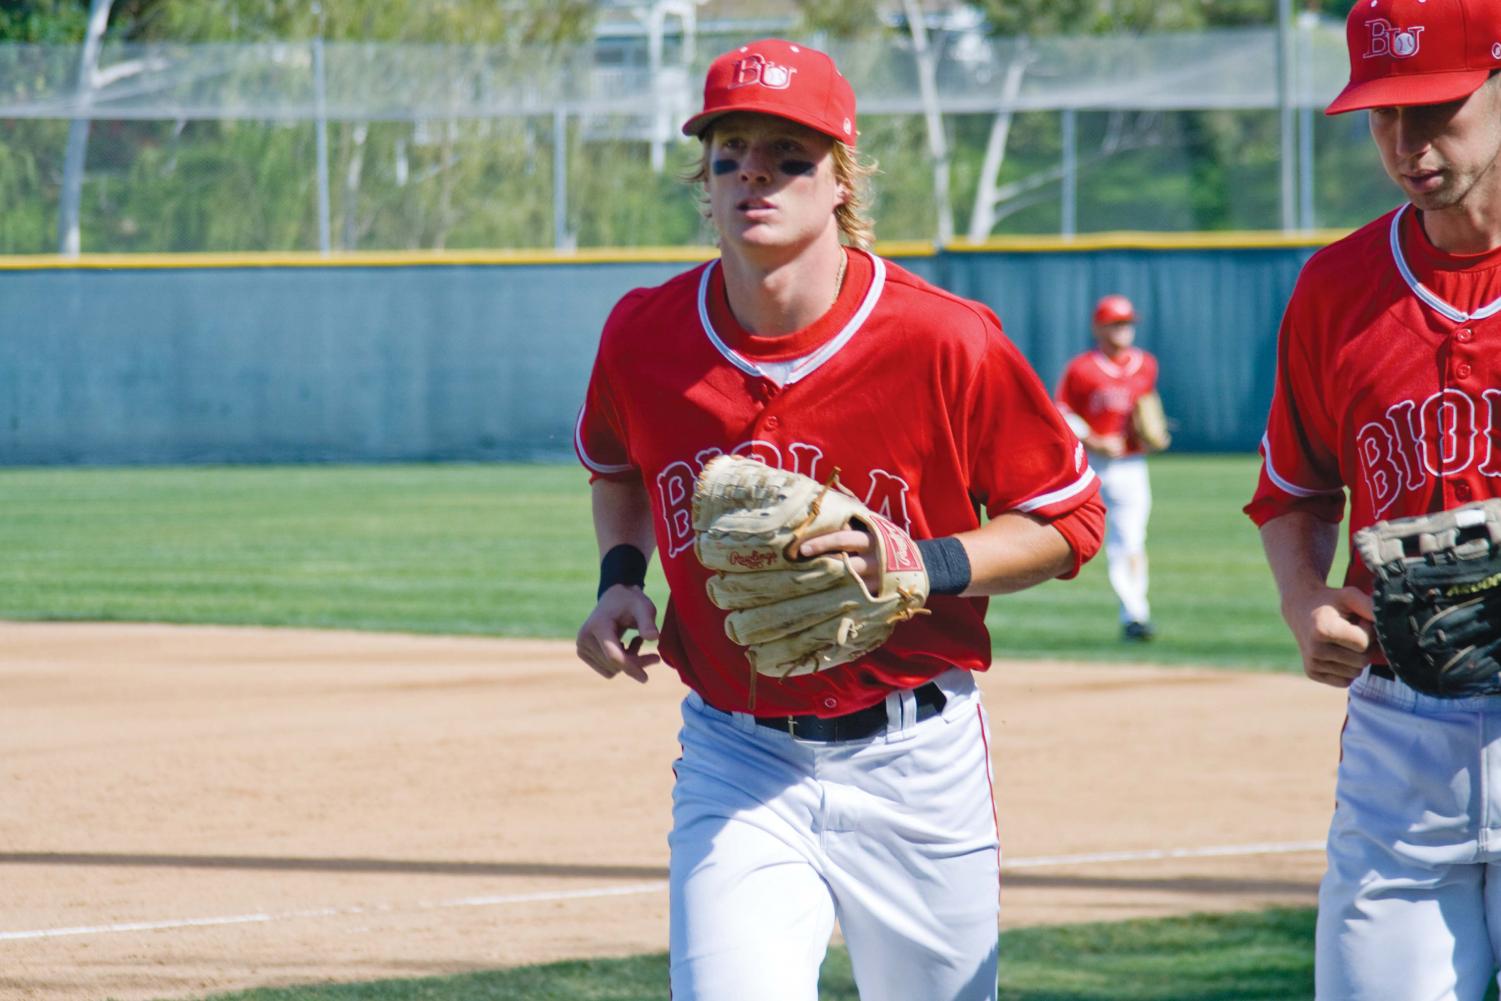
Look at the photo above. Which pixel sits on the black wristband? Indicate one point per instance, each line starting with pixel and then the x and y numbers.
pixel 623 564
pixel 947 564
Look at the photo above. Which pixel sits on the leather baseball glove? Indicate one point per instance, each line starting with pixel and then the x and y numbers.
pixel 1150 423
pixel 798 615
pixel 1438 597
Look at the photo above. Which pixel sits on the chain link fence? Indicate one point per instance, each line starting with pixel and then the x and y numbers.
pixel 307 146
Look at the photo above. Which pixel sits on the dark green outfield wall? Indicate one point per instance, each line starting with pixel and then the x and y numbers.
pixel 474 362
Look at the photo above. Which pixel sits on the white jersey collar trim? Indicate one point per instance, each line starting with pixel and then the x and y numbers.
pixel 807 364
pixel 1132 363
pixel 1445 309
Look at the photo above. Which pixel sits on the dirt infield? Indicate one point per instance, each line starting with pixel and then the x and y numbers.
pixel 189 810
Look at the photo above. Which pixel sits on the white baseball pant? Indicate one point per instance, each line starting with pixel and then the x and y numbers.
pixel 1127 494
pixel 1410 906
pixel 895 836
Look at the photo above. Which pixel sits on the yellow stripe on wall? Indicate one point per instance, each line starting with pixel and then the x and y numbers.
pixel 644 255
pixel 357 259
pixel 1229 240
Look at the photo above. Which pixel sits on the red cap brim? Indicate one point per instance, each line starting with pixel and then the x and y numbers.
pixel 1404 89
pixel 695 126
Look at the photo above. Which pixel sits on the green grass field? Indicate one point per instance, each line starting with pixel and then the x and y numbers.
pixel 1236 957
pixel 507 550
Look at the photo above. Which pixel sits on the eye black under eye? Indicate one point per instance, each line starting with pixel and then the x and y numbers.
pixel 797 168
pixel 725 166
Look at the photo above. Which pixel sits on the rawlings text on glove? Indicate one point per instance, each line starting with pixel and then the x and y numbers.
pixel 1438 597
pixel 796 615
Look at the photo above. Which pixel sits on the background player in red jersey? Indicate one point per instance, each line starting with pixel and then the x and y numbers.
pixel 1388 365
pixel 863 791
pixel 1098 393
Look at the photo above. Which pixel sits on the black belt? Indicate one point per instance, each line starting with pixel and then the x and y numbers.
pixel 856 725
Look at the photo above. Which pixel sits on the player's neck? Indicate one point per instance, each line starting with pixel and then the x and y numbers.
pixel 1473 226
pixel 772 298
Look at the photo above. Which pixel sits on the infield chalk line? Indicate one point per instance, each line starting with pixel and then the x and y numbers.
pixel 1156 854
pixel 1036 862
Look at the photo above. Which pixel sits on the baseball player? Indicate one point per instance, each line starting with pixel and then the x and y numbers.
pixel 861 792
pixel 1388 365
pixel 1098 394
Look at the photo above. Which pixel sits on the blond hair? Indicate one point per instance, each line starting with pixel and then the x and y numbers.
pixel 852 171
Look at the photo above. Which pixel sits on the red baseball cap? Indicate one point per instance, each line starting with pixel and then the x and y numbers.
pixel 1114 309
pixel 777 77
pixel 1418 52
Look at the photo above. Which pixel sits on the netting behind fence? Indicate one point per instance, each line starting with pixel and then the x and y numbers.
pixel 307 146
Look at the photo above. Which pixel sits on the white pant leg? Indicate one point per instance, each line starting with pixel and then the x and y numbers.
pixel 751 916
pixel 772 837
pixel 1127 493
pixel 1406 909
pixel 914 861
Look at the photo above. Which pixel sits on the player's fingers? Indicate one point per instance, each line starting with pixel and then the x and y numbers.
pixel 1357 601
pixel 848 540
pixel 1325 674
pixel 635 662
pixel 592 651
pixel 598 662
pixel 1333 629
pixel 643 617
pixel 599 645
pixel 1335 656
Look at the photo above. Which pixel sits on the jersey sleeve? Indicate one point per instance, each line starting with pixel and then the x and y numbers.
pixel 1071 396
pixel 600 435
pixel 1299 460
pixel 1149 381
pixel 1021 453
pixel 1083 529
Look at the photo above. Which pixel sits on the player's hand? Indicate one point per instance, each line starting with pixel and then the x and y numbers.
pixel 1333 627
pixel 1112 446
pixel 601 639
pixel 858 545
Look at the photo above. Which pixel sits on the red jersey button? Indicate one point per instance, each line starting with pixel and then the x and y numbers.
pixel 1464 335
pixel 772 423
pixel 1462 370
pixel 1462 491
pixel 830 703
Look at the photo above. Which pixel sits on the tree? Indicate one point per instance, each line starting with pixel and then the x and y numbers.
pixel 478 22
pixel 449 160
pixel 1211 139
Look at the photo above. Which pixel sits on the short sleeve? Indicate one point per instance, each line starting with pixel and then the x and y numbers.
pixel 1299 461
pixel 601 433
pixel 1022 456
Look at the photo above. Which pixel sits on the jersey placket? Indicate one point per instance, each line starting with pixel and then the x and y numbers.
pixel 1464 370
pixel 1461 374
pixel 765 393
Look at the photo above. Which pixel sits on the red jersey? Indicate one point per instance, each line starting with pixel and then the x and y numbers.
pixel 926 408
pixel 1388 382
pixel 1103 391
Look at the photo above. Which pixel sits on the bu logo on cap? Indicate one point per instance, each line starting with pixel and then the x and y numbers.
pixel 757 69
pixel 1388 40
